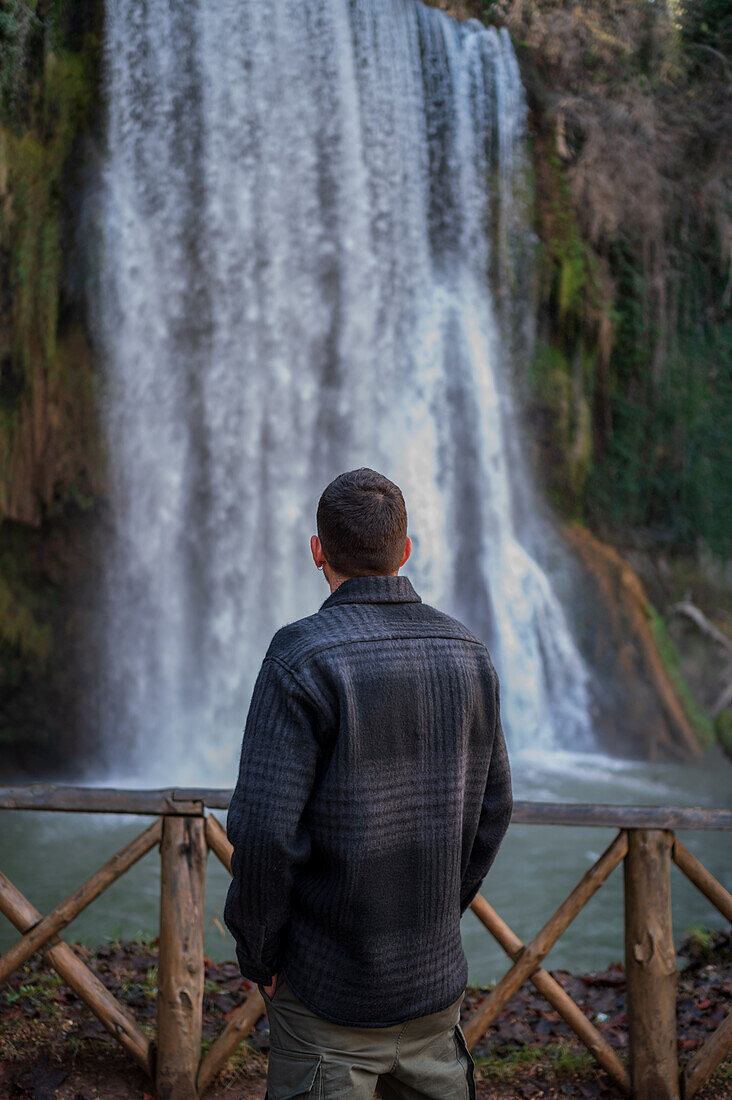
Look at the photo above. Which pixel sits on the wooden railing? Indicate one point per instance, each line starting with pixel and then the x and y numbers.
pixel 645 844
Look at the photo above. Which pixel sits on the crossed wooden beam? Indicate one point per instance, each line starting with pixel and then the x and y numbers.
pixel 192 835
pixel 527 964
pixel 41 934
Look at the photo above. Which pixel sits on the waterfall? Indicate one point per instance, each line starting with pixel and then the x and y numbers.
pixel 307 216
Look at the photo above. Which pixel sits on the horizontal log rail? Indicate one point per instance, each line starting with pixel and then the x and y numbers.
pixel 645 845
pixel 192 801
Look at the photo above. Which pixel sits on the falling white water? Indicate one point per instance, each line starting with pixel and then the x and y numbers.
pixel 300 207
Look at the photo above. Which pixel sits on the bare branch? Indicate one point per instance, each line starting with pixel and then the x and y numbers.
pixel 691 611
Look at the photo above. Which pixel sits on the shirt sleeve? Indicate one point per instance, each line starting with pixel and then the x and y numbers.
pixel 265 824
pixel 495 812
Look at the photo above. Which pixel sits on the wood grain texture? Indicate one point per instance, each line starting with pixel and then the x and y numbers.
pixel 190 802
pixel 218 841
pixel 697 873
pixel 107 800
pixel 706 1060
pixel 650 966
pixel 180 963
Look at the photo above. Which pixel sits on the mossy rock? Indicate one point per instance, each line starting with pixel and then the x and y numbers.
pixel 671 658
pixel 562 426
pixel 48 430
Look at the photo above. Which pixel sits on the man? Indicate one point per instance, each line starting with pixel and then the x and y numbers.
pixel 373 793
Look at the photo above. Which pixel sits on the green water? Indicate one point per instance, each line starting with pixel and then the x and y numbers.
pixel 47 855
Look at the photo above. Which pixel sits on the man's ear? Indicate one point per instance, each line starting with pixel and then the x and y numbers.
pixel 316 550
pixel 407 551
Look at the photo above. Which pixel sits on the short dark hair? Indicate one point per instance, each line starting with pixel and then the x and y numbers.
pixel 362 524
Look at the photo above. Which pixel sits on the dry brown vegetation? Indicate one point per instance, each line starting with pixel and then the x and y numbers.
pixel 643 127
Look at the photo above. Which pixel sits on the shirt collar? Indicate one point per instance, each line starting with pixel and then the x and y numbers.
pixel 373 590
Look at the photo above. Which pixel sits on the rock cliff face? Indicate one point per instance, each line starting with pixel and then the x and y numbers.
pixel 630 390
pixel 628 403
pixel 51 462
pixel 49 453
pixel 627 406
pixel 619 637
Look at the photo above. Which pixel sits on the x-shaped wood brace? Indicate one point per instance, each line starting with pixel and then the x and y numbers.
pixel 527 965
pixel 561 1001
pixel 40 934
pixel 527 960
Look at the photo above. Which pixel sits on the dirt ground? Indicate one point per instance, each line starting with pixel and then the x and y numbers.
pixel 110 1077
pixel 52 1048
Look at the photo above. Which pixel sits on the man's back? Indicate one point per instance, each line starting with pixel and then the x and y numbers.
pixel 373 794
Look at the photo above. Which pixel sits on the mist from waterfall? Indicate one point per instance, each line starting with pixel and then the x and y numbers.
pixel 300 208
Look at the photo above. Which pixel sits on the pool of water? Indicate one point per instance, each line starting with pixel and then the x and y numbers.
pixel 47 855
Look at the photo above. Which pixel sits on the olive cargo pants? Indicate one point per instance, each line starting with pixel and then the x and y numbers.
pixel 422 1059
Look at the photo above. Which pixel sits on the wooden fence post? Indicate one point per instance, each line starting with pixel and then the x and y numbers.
pixel 180 963
pixel 650 965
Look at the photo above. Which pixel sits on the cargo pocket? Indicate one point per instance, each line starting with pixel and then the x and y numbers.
pixel 466 1060
pixel 292 1074
pixel 265 996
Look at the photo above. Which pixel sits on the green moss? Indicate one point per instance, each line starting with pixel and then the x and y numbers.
pixel 18 24
pixel 565 365
pixel 37 147
pixel 37 160
pixel 672 662
pixel 574 285
pixel 723 729
pixel 668 465
pixel 559 392
pixel 20 632
pixel 23 634
pixel 513 1065
pixel 649 315
pixel 36 988
pixel 45 390
pixel 701 937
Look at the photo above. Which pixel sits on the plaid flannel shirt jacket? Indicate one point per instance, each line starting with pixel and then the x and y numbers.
pixel 373 793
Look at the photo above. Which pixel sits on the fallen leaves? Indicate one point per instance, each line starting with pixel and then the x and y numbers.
pixel 47 1031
